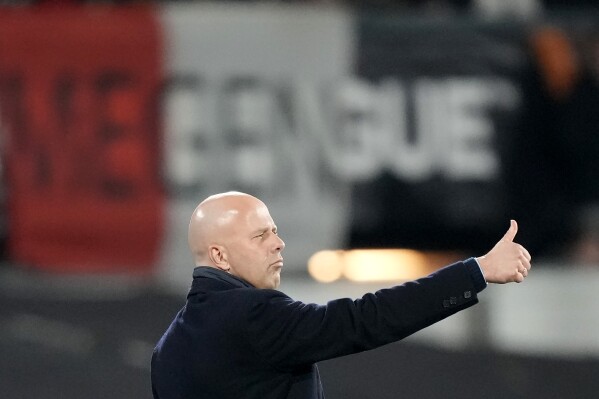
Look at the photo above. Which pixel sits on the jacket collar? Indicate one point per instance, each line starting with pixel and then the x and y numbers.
pixel 217 274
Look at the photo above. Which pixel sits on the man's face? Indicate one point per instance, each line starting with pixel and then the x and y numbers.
pixel 254 251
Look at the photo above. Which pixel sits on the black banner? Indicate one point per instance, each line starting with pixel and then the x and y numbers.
pixel 475 146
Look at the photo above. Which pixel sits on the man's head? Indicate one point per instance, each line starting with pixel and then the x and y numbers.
pixel 234 232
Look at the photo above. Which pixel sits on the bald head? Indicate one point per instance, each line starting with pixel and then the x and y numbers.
pixel 234 232
pixel 214 220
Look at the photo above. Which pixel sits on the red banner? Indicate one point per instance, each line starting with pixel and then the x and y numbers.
pixel 81 137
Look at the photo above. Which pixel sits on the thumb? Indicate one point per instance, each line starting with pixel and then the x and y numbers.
pixel 511 233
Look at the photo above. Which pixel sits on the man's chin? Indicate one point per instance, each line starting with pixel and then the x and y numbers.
pixel 276 281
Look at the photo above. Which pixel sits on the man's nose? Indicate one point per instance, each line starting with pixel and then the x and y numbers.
pixel 280 244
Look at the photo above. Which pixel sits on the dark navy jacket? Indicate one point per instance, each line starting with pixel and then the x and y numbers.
pixel 234 341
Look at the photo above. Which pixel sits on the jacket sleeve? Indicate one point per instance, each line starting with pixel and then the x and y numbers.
pixel 289 333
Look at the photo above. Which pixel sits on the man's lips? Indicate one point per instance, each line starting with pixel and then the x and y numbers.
pixel 278 263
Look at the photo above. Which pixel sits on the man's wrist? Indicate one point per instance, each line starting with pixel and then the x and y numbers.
pixel 476 273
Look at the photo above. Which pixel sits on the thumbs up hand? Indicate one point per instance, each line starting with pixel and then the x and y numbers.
pixel 508 261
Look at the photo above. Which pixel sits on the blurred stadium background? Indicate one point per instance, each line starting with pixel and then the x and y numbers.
pixel 415 125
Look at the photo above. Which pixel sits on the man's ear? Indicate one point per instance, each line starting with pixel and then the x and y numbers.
pixel 218 256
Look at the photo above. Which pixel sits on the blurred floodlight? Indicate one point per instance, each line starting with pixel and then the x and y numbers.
pixel 372 265
pixel 326 266
pixel 384 265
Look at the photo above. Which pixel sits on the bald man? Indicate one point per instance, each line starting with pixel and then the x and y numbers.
pixel 237 337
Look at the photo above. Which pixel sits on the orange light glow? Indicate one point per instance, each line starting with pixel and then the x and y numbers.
pixel 371 265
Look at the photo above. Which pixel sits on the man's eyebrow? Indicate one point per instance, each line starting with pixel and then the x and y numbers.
pixel 264 230
pixel 260 230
